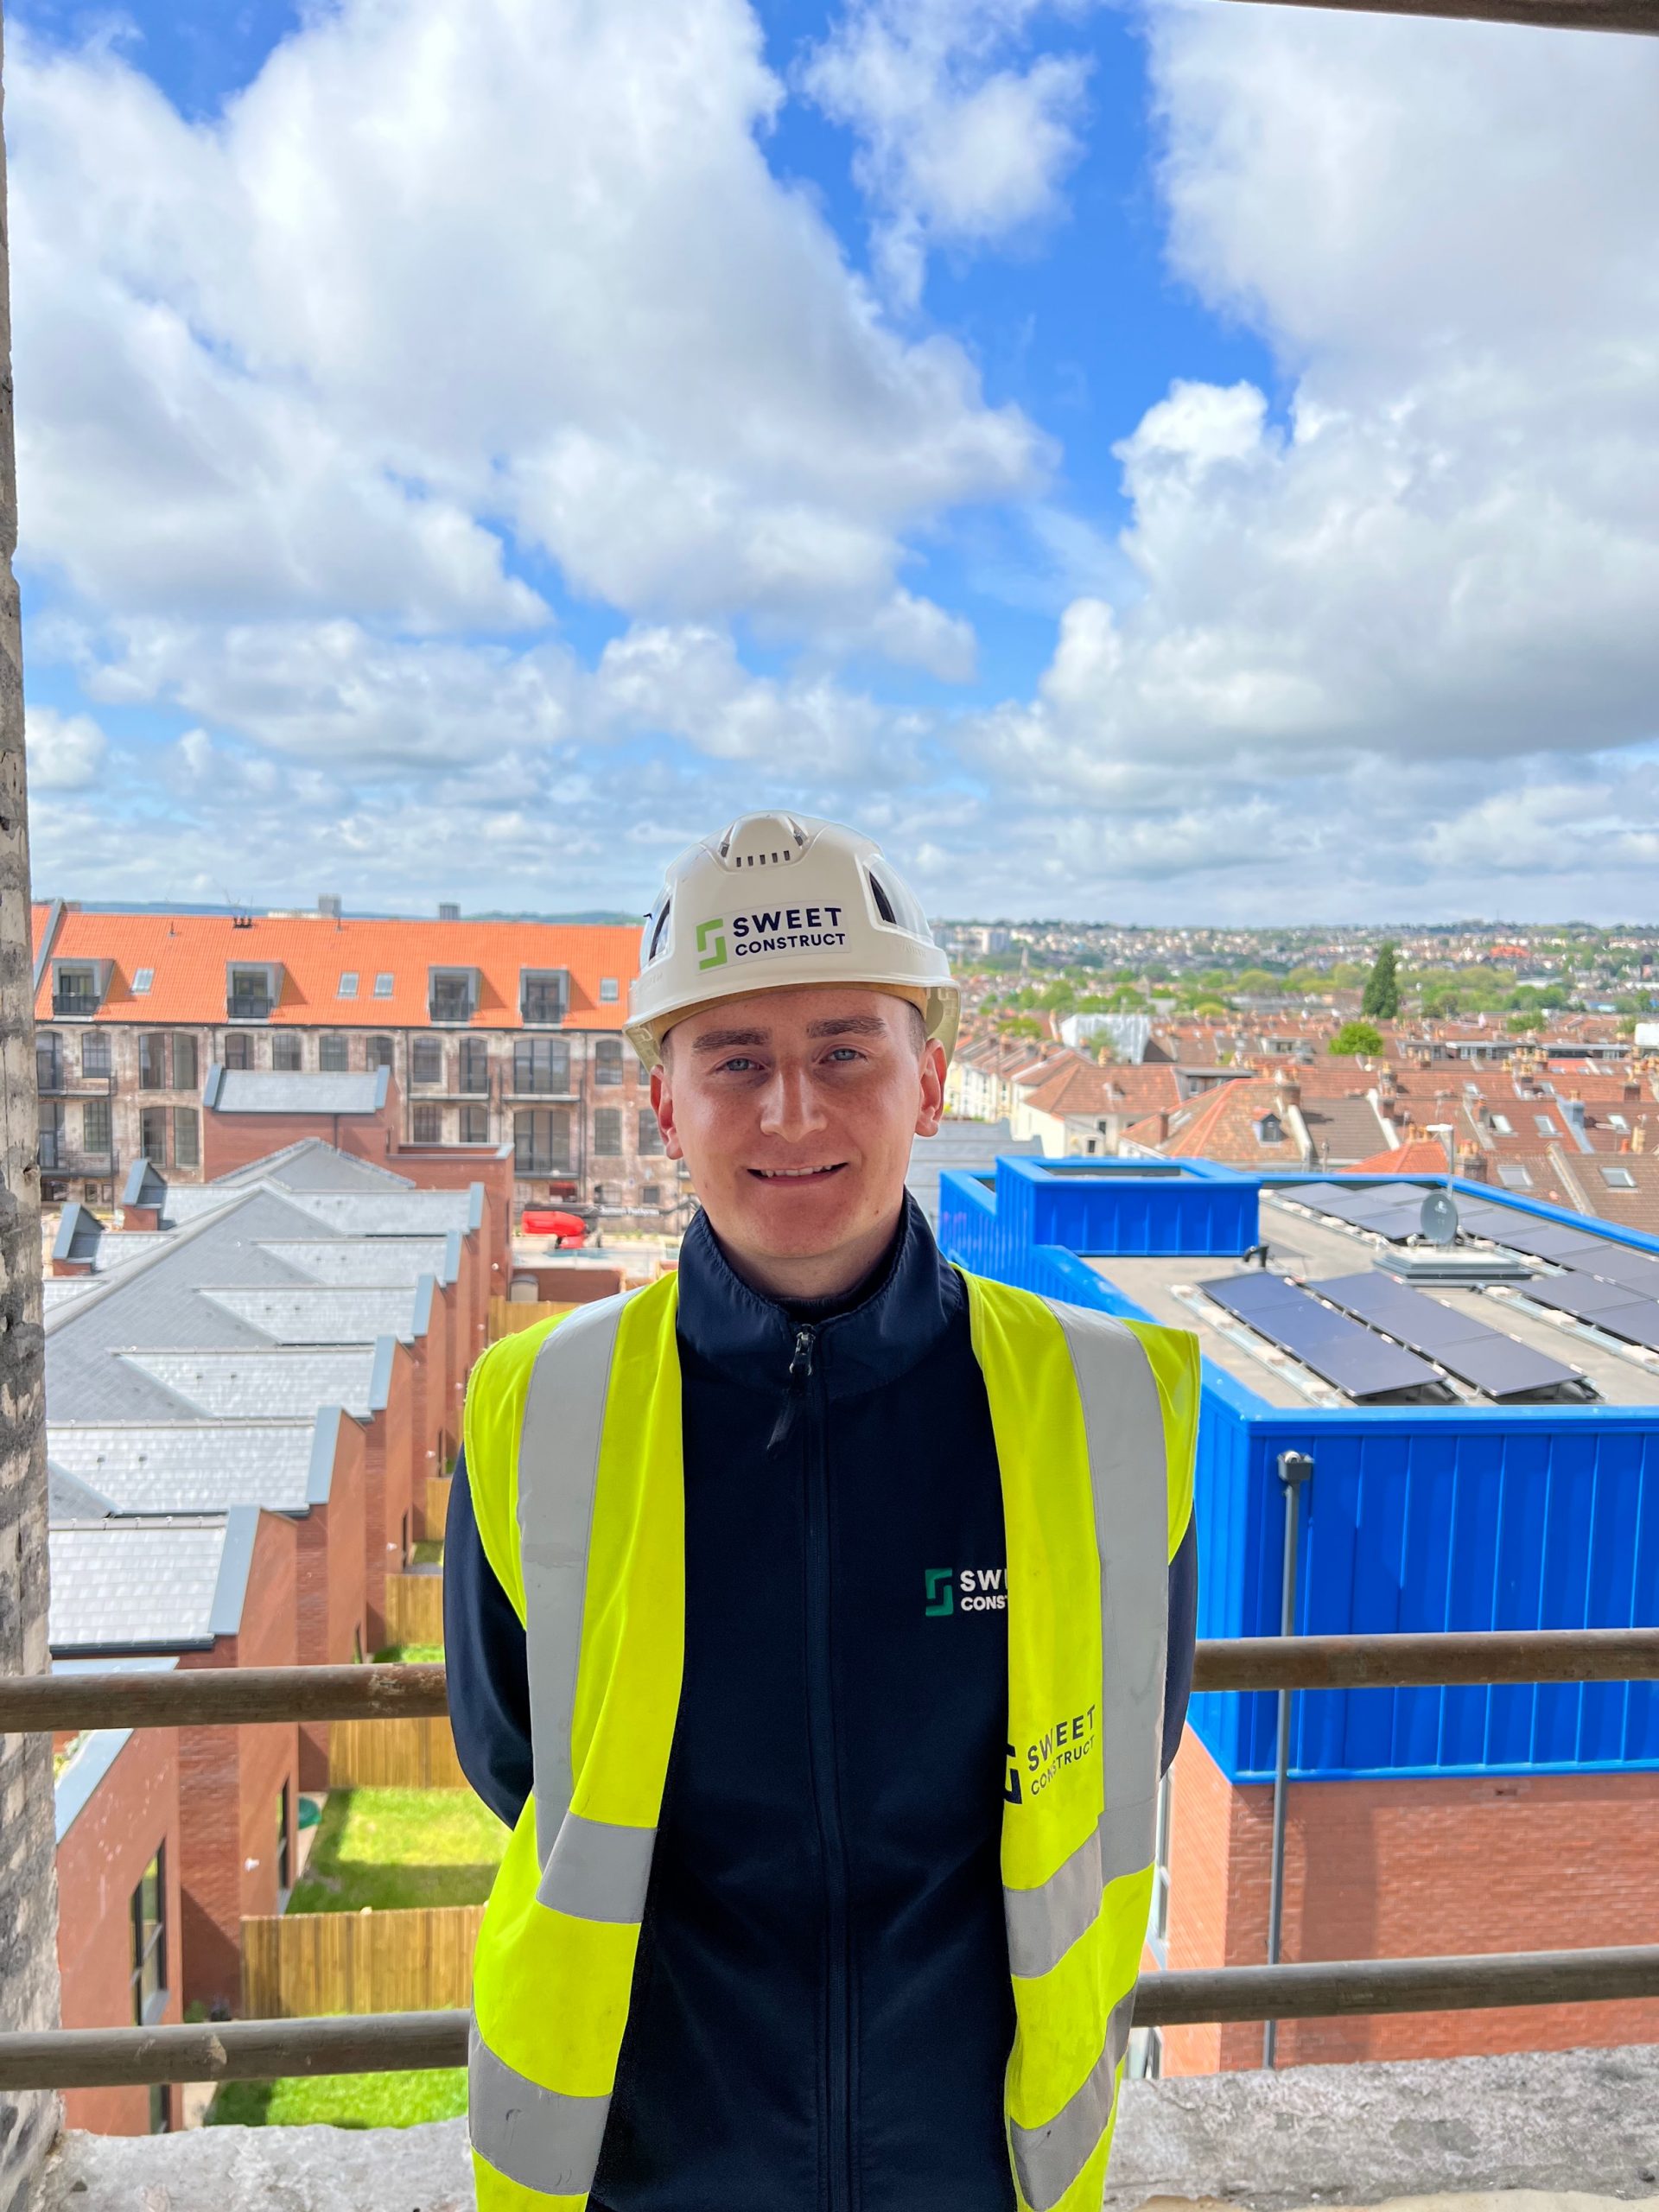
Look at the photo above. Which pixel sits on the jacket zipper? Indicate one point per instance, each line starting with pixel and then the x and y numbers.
pixel 807 1390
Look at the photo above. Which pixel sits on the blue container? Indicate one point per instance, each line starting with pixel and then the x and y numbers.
pixel 1417 1518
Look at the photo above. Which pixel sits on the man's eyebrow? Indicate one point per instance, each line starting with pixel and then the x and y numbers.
pixel 725 1040
pixel 849 1025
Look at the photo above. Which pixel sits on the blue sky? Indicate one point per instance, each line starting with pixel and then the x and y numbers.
pixel 1123 455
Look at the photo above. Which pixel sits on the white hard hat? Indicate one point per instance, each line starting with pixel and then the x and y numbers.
pixel 781 900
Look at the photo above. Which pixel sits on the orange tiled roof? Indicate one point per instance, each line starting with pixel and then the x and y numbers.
pixel 188 956
pixel 1417 1156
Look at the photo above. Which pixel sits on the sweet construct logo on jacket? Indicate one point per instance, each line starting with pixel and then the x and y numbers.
pixel 979 1590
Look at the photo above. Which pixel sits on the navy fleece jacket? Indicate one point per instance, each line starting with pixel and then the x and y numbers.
pixel 821 2010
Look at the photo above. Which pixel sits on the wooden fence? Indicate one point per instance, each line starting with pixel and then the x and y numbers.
pixel 416 1960
pixel 437 1506
pixel 508 1316
pixel 415 1754
pixel 415 1608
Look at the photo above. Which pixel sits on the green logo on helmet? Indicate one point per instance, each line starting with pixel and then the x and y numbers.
pixel 711 944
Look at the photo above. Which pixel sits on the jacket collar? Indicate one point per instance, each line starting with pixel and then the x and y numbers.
pixel 907 1307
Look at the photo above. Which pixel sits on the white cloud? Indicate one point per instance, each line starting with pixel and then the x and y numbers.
pixel 65 751
pixel 433 285
pixel 959 143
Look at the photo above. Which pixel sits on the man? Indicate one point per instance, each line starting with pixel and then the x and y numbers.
pixel 806 1613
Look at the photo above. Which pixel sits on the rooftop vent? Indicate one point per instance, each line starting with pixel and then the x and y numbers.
pixel 448 912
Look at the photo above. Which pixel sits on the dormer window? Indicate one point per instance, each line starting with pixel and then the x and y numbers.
pixel 78 988
pixel 451 993
pixel 1270 1129
pixel 252 988
pixel 543 996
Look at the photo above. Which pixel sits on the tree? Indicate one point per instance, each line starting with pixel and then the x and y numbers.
pixel 1356 1037
pixel 1381 999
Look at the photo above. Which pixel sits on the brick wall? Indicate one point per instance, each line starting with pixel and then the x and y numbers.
pixel 101 1860
pixel 230 1780
pixel 233 1140
pixel 1412 1868
pixel 329 1573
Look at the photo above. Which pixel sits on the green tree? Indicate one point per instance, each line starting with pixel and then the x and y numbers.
pixel 1381 999
pixel 1355 1037
pixel 1528 1023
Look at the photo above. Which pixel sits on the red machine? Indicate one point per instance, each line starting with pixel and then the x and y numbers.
pixel 570 1231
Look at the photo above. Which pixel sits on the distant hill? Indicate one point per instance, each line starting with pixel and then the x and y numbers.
pixel 351 913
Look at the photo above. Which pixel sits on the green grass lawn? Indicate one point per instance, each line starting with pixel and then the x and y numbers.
pixel 341 2100
pixel 394 1655
pixel 394 1848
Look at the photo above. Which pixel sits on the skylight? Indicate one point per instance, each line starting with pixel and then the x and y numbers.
pixel 141 982
pixel 348 984
pixel 383 987
pixel 1512 1172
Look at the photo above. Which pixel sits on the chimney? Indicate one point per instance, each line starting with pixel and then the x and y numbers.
pixel 1631 1093
pixel 1290 1094
pixel 1386 1085
pixel 446 912
pixel 328 903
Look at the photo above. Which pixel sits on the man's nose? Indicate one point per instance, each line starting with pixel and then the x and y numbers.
pixel 790 1106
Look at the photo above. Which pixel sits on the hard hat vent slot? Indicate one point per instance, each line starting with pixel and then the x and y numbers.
pixel 883 904
pixel 656 934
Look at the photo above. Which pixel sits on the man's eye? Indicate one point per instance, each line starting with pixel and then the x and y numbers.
pixel 846 1053
pixel 739 1066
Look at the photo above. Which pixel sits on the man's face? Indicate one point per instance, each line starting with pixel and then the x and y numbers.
pixel 795 1110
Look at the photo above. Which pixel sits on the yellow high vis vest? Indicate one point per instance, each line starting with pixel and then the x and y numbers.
pixel 574 1457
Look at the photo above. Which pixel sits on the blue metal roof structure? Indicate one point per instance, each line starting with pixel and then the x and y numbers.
pixel 1418 1518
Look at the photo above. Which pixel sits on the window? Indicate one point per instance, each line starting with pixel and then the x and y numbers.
pixel 652 1196
pixel 187 1137
pixel 649 1138
pixel 1501 1124
pixel 1144 2060
pixel 333 1052
pixel 383 987
pixel 95 1128
pixel 607 1132
pixel 250 994
pixel 450 997
pixel 1618 1121
pixel 475 1125
pixel 428 1122
pixel 141 982
pixel 51 1133
pixel 474 1065
pixel 149 1951
pixel 184 1061
pixel 1544 1126
pixel 285 1051
pixel 347 985
pixel 541 1066
pixel 379 1051
pixel 608 1060
pixel 1270 1129
pixel 1618 1179
pixel 152 1059
pixel 238 1049
pixel 541 1141
pixel 607 990
pixel 426 1061
pixel 542 994
pixel 1513 1175
pixel 285 1872
pixel 75 993
pixel 152 1135
pixel 95 1052
pixel 48 1061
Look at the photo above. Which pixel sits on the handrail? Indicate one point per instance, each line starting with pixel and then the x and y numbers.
pixel 245 1696
pixel 234 2051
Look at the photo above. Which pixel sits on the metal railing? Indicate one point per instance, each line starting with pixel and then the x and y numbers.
pixel 260 2050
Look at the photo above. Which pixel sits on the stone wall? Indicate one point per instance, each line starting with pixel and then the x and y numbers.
pixel 29 1967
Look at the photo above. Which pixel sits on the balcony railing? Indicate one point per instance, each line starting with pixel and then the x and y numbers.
pixel 450 1007
pixel 249 1006
pixel 74 1006
pixel 354 2044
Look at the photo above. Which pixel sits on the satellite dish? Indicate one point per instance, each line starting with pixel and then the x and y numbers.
pixel 1438 1218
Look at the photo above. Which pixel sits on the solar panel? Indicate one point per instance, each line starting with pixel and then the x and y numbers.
pixel 1548 1239
pixel 1390 1210
pixel 1464 1345
pixel 1610 1306
pixel 1362 1364
pixel 1639 1271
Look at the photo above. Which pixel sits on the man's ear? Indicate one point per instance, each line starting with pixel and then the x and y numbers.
pixel 932 1107
pixel 662 1104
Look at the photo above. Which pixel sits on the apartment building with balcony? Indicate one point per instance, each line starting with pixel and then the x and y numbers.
pixel 493 1033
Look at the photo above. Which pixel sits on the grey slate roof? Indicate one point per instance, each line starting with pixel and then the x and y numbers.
pixel 391 1213
pixel 69 1498
pixel 310 1165
pixel 321 1315
pixel 364 1260
pixel 64 1290
pixel 972 1146
pixel 249 1384
pixel 189 1466
pixel 163 1584
pixel 241 1090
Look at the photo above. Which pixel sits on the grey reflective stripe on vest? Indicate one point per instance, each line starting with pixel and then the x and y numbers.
pixel 533 2136
pixel 1048 2159
pixel 598 1870
pixel 558 1469
pixel 1123 1422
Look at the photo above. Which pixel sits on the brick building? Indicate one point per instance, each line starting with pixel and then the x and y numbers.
pixel 120 1904
pixel 1485 1455
pixel 213 1590
pixel 494 1034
